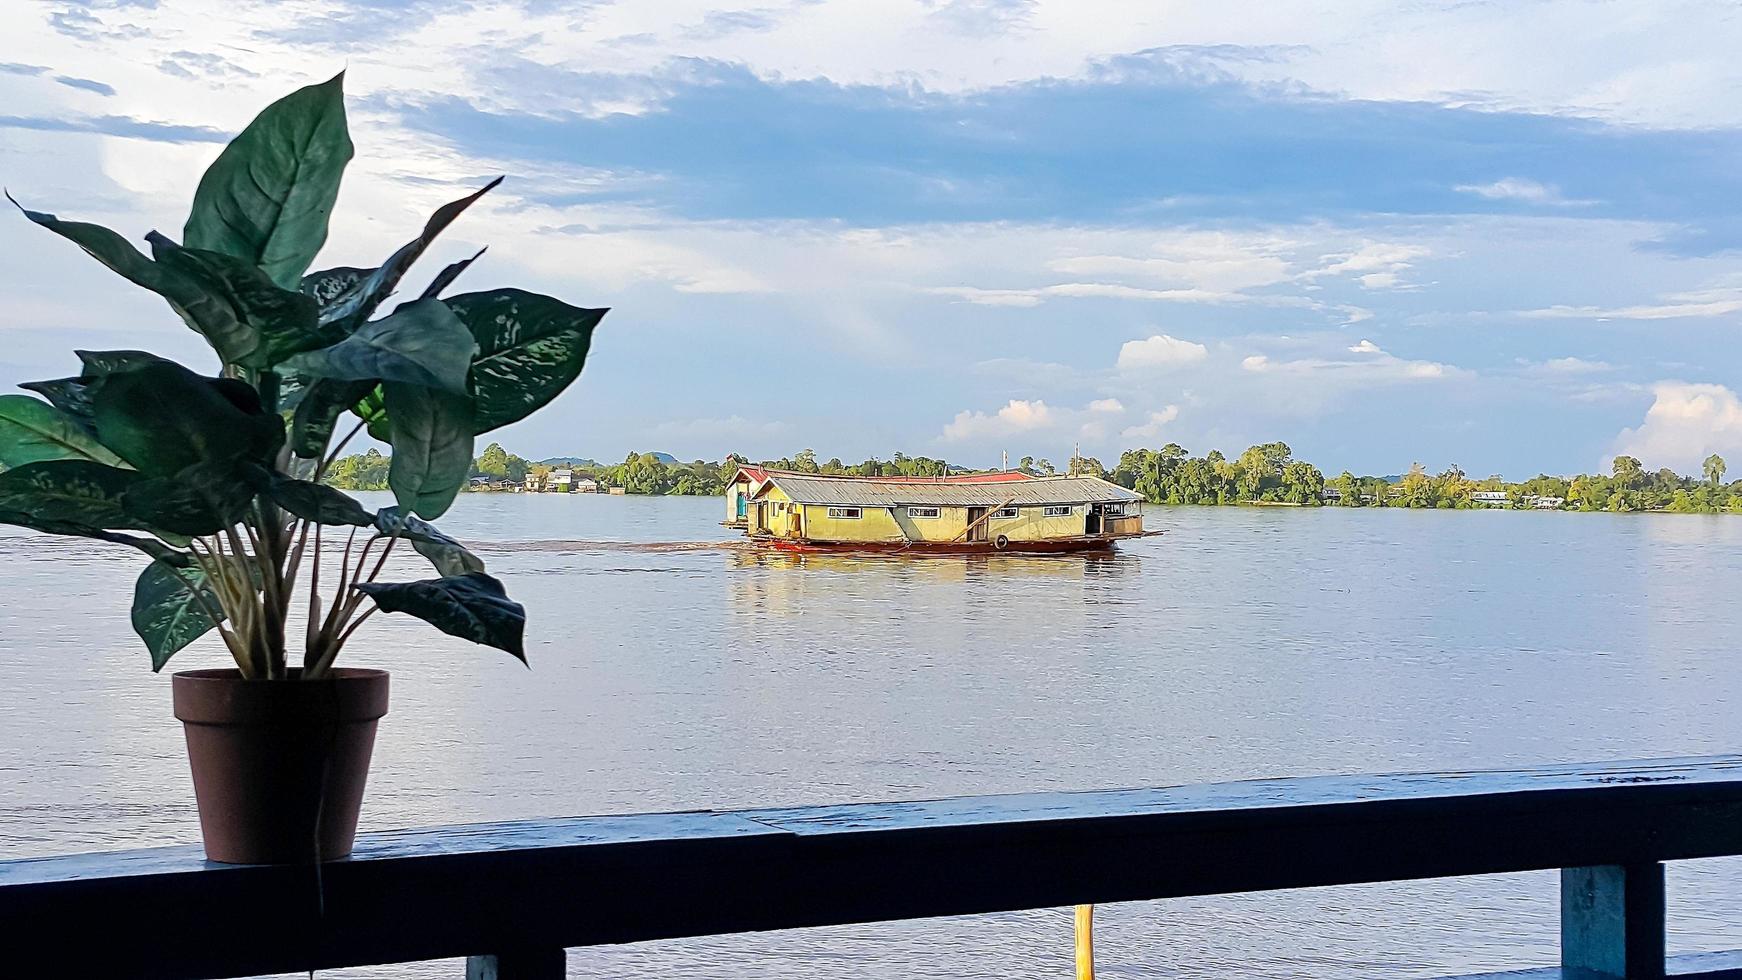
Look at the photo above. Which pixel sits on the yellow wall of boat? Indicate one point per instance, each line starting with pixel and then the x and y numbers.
pixel 881 524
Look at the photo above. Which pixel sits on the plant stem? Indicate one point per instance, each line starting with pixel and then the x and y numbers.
pixel 217 618
pixel 314 597
pixel 259 642
pixel 217 571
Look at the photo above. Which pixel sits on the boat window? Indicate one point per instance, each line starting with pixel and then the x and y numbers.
pixel 1062 511
pixel 1113 510
pixel 1005 513
pixel 922 512
pixel 844 513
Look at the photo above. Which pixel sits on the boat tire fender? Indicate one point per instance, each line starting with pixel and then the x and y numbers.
pixel 1001 542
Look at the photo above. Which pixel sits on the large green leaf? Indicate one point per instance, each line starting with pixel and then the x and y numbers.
pixel 446 277
pixel 163 418
pixel 447 555
pixel 420 343
pixel 432 446
pixel 333 289
pixel 318 410
pixel 473 606
pixel 317 502
pixel 530 348
pixel 71 395
pixel 247 318
pixel 267 197
pixel 202 499
pixel 113 251
pixel 358 296
pixel 32 431
pixel 167 614
pixel 100 362
pixel 69 491
pixel 242 313
pixel 372 409
pixel 156 549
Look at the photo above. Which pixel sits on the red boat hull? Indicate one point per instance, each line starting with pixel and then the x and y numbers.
pixel 1055 547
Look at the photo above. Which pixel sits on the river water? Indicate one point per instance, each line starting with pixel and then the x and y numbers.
pixel 669 673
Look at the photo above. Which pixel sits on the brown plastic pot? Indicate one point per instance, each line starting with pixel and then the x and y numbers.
pixel 279 766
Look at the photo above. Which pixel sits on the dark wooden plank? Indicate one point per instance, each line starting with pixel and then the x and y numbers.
pixel 1612 920
pixel 1688 966
pixel 1250 794
pixel 1707 966
pixel 469 891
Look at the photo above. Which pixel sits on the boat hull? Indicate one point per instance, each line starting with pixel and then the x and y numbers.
pixel 1057 546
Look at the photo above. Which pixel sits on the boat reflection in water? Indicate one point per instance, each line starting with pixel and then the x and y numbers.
pixel 769 583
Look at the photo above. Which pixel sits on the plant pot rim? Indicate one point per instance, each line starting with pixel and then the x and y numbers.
pixel 232 674
pixel 222 696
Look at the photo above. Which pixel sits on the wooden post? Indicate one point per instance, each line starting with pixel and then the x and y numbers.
pixel 1612 922
pixel 1085 942
pixel 522 964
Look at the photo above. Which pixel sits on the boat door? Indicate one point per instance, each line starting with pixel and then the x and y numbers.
pixel 977 523
pixel 743 506
pixel 1092 525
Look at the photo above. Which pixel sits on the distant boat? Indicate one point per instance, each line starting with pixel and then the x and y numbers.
pixel 996 513
pixel 747 481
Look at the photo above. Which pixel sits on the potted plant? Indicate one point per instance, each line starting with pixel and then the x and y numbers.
pixel 216 479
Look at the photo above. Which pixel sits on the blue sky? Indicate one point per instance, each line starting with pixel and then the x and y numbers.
pixel 1506 236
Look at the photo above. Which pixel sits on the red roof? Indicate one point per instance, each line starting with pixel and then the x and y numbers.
pixel 757 474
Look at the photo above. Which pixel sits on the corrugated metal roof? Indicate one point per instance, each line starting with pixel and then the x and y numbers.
pixel 757 474
pixel 887 493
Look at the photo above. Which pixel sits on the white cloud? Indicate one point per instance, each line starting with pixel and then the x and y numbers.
pixel 1109 406
pixel 1375 265
pixel 1522 190
pixel 990 297
pixel 1078 290
pixel 1571 365
pixel 1152 428
pixel 1365 347
pixel 1685 423
pixel 1379 368
pixel 1661 311
pixel 1720 297
pixel 1159 352
pixel 1016 416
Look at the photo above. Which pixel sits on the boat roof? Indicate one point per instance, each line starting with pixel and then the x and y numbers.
pixel 760 474
pixel 1030 492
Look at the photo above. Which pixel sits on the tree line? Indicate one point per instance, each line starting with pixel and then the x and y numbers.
pixel 1263 474
pixel 1269 474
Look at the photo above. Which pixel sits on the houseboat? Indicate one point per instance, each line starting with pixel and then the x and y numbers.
pixel 805 512
pixel 747 481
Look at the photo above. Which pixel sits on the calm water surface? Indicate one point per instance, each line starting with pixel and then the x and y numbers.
pixel 1245 642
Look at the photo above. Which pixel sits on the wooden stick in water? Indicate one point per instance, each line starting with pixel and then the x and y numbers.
pixel 1085 942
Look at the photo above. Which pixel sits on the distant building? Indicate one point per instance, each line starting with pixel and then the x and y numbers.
pixel 1331 493
pixel 1491 497
pixel 1547 503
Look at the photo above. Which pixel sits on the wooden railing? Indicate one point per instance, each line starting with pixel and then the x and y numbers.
pixel 513 896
